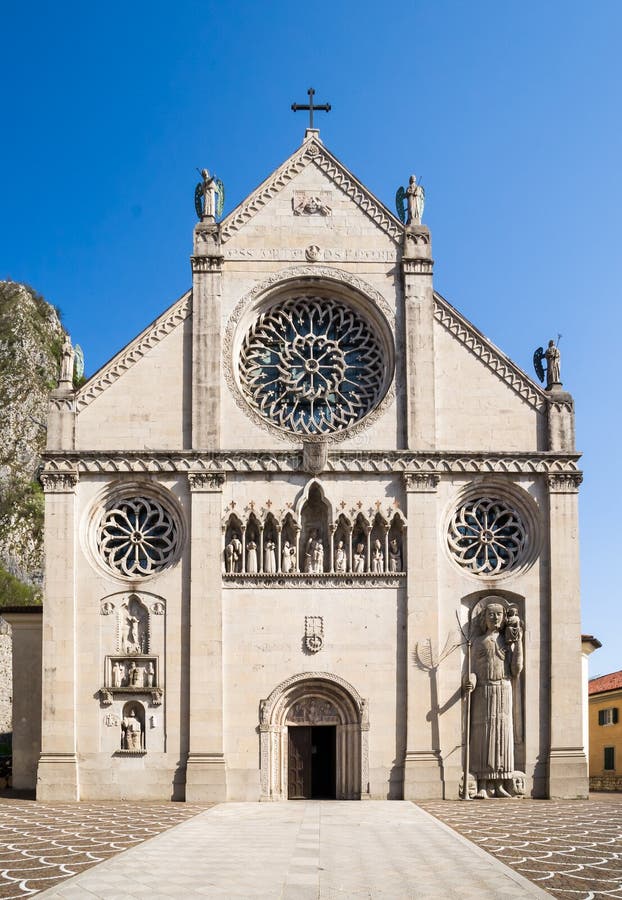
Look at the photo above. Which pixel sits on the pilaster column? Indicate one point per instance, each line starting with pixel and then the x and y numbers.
pixel 568 774
pixel 423 774
pixel 57 775
pixel 205 773
pixel 417 266
pixel 61 419
pixel 207 265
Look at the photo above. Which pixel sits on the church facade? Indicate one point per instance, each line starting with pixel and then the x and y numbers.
pixel 310 534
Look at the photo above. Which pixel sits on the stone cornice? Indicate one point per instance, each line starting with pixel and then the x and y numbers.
pixel 490 355
pixel 134 351
pixel 372 461
pixel 312 152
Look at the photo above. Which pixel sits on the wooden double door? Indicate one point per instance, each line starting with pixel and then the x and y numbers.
pixel 311 762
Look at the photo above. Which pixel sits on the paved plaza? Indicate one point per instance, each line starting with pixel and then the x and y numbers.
pixel 313 849
pixel 572 848
pixel 300 850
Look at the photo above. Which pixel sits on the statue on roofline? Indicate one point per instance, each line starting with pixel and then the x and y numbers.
pixel 553 363
pixel 209 196
pixel 409 203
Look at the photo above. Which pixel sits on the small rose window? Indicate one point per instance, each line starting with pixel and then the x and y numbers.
pixel 487 536
pixel 137 536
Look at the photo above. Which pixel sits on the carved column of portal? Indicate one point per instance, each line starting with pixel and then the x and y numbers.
pixel 568 775
pixel 206 292
pixel 205 772
pixel 423 774
pixel 417 265
pixel 57 774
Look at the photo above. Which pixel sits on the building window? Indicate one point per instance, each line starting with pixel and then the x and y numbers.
pixel 608 716
pixel 487 536
pixel 312 365
pixel 610 759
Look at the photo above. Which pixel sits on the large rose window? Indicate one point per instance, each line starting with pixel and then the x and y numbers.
pixel 487 536
pixel 312 365
pixel 137 536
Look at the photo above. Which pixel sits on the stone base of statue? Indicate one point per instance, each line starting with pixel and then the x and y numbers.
pixel 568 775
pixel 57 777
pixel 423 775
pixel 206 780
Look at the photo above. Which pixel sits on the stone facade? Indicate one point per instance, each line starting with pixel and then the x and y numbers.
pixel 264 515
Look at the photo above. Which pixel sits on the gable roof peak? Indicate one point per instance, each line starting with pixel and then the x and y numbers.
pixel 312 152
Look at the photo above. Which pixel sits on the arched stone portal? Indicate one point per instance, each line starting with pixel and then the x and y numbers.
pixel 315 699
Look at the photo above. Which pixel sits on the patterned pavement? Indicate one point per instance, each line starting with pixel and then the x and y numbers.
pixel 42 844
pixel 571 848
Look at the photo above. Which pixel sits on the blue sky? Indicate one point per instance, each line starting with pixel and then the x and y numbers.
pixel 509 110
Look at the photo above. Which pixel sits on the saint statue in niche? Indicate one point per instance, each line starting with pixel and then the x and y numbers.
pixel 286 557
pixel 395 556
pixel 269 554
pixel 233 555
pixel 118 674
pixel 251 558
pixel 359 559
pixel 377 558
pixel 340 558
pixel 135 676
pixel 150 675
pixel 497 661
pixel 134 627
pixel 314 554
pixel 131 732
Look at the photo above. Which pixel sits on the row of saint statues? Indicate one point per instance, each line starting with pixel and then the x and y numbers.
pixel 240 558
pixel 128 674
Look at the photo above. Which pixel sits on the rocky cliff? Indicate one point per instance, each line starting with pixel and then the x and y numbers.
pixel 30 341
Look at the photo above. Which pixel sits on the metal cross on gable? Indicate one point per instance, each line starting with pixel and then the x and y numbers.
pixel 325 107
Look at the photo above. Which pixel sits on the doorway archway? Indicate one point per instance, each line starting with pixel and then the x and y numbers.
pixel 318 701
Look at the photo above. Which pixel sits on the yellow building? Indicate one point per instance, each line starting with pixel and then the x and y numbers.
pixel 605 724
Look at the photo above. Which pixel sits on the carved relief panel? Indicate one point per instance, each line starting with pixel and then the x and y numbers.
pixel 131 692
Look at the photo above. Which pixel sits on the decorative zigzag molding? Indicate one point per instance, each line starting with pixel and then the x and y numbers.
pixel 377 462
pixel 134 351
pixel 490 355
pixel 312 151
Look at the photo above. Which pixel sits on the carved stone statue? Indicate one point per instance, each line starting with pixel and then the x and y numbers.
pixel 150 675
pixel 314 554
pixel 67 360
pixel 395 556
pixel 497 660
pixel 415 198
pixel 553 364
pixel 133 638
pixel 286 557
pixel 251 557
pixel 229 558
pixel 131 731
pixel 269 565
pixel 359 559
pixel 377 558
pixel 118 674
pixel 135 676
pixel 209 193
pixel 340 558
pixel 236 543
